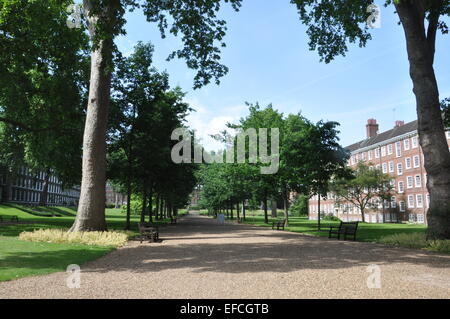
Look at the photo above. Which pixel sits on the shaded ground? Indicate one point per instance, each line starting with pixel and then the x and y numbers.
pixel 200 259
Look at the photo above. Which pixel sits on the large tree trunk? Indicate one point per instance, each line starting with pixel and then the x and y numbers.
pixel 274 208
pixel 243 209
pixel 44 195
pixel 91 209
pixel 421 47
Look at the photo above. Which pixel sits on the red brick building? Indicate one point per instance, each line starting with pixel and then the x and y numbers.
pixel 396 152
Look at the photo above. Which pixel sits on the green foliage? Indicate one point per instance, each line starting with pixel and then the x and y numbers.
pixel 135 206
pixel 416 240
pixel 45 112
pixel 330 217
pixel 299 207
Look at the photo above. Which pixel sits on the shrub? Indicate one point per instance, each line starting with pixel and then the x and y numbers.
pixel 330 217
pixel 136 207
pixel 300 206
pixel 416 240
pixel 62 236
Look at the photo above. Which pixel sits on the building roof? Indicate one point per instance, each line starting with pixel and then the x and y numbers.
pixel 396 131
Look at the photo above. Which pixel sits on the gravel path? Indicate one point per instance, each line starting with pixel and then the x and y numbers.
pixel 200 259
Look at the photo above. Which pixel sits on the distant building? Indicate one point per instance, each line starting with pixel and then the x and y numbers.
pixel 114 198
pixel 195 197
pixel 26 187
pixel 395 152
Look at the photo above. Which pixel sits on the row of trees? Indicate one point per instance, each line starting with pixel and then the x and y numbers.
pixel 43 98
pixel 331 26
pixel 144 112
pixel 309 155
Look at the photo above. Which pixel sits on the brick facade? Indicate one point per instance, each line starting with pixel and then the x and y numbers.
pixel 396 152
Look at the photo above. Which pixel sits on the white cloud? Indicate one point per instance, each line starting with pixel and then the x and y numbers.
pixel 206 121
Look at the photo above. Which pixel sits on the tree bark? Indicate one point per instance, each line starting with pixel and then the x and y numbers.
pixel 128 220
pixel 44 194
pixel 144 203
pixel 286 207
pixel 421 47
pixel 231 208
pixel 157 207
pixel 91 208
pixel 274 208
pixel 150 205
pixel 318 212
pixel 243 209
pixel 266 217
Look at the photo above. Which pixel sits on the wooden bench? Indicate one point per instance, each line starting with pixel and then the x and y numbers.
pixel 345 228
pixel 10 218
pixel 148 232
pixel 279 224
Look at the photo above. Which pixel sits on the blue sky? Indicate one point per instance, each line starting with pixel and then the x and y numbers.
pixel 269 61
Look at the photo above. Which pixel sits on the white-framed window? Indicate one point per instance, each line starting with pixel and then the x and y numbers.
pixel 408 163
pixel 385 169
pixel 364 156
pixel 418 181
pixel 389 149
pixel 399 169
pixel 391 167
pixel 410 201
pixel 393 202
pixel 370 155
pixel 401 187
pixel 428 200
pixel 357 158
pixel 398 149
pixel 406 144
pixel 409 182
pixel 448 134
pixel 383 151
pixel 420 218
pixel 415 142
pixel 377 152
pixel 401 205
pixel 419 200
pixel 392 183
pixel 416 161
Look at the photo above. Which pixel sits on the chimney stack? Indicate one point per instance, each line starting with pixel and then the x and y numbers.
pixel 399 123
pixel 371 128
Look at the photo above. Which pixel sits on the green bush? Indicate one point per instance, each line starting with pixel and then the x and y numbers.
pixel 136 207
pixel 62 236
pixel 416 240
pixel 300 206
pixel 331 218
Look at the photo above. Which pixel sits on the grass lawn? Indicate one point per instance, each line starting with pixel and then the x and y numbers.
pixel 366 232
pixel 22 258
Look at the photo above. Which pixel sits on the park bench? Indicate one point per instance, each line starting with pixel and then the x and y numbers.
pixel 10 218
pixel 279 224
pixel 345 228
pixel 148 232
